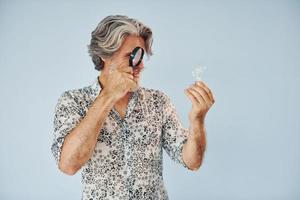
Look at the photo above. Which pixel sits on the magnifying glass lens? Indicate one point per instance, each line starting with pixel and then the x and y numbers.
pixel 136 56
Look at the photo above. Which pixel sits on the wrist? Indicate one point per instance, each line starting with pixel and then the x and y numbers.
pixel 199 121
pixel 108 97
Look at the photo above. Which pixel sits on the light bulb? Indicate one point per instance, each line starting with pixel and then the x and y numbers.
pixel 198 72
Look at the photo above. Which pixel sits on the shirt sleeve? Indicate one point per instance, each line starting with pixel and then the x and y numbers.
pixel 66 117
pixel 174 135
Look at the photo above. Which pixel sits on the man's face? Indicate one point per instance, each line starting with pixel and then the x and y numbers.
pixel 123 54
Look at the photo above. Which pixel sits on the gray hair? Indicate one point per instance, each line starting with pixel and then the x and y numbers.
pixel 108 36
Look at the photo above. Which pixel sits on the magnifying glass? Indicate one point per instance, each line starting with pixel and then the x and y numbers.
pixel 136 57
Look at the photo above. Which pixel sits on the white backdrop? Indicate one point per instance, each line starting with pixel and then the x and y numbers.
pixel 250 48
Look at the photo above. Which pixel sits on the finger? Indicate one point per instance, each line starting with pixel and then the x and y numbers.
pixel 121 63
pixel 124 67
pixel 201 83
pixel 206 88
pixel 203 93
pixel 132 83
pixel 118 65
pixel 126 75
pixel 197 96
pixel 191 97
pixel 127 69
pixel 113 66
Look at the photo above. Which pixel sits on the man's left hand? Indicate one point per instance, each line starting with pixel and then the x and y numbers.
pixel 202 99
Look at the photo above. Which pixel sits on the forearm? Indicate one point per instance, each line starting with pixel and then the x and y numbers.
pixel 194 148
pixel 80 143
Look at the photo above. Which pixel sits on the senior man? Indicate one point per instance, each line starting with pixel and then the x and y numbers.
pixel 114 130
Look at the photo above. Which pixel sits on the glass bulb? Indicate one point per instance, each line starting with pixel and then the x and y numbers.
pixel 198 72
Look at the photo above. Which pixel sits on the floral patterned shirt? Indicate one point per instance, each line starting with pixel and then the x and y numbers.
pixel 127 162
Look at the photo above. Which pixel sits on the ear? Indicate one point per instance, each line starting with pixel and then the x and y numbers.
pixel 106 63
pixel 103 59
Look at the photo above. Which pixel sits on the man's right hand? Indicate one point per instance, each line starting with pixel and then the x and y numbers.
pixel 119 80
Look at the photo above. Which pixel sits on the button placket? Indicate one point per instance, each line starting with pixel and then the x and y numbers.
pixel 126 135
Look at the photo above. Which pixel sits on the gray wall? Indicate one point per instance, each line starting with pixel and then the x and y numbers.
pixel 250 48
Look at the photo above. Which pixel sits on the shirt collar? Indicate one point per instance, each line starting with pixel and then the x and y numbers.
pixel 96 87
